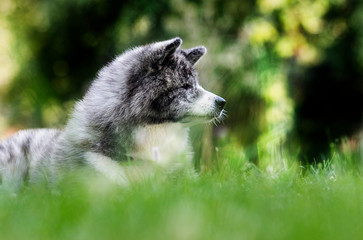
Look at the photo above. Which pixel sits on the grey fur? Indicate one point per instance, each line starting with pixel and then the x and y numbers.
pixel 136 104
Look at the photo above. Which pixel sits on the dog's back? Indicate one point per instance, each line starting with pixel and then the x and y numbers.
pixel 26 150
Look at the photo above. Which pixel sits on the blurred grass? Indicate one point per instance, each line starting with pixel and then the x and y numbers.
pixel 237 201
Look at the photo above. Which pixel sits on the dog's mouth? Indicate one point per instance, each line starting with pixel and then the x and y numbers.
pixel 208 108
pixel 215 117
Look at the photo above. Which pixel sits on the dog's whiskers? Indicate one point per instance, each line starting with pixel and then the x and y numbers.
pixel 220 119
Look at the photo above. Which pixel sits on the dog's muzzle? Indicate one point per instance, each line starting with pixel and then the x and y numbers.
pixel 207 107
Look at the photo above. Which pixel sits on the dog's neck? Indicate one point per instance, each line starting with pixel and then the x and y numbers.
pixel 161 143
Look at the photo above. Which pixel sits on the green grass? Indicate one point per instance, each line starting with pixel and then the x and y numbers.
pixel 237 201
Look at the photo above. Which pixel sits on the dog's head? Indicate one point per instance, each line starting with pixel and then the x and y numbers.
pixel 162 84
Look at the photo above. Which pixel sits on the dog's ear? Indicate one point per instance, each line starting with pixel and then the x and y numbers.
pixel 166 49
pixel 193 55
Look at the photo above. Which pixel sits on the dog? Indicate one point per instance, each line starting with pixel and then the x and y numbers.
pixel 138 108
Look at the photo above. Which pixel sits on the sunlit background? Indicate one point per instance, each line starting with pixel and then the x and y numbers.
pixel 291 71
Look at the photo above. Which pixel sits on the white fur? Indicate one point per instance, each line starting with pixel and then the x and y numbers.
pixel 205 104
pixel 163 144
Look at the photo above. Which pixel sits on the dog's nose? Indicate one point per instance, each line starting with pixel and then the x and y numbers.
pixel 220 102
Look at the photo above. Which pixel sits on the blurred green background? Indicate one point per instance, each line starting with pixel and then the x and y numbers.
pixel 291 71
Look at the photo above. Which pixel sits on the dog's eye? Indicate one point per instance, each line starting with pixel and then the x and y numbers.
pixel 186 86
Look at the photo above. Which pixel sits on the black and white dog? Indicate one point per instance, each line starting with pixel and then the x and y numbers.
pixel 138 107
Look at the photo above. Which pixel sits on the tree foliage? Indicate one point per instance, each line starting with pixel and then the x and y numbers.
pixel 290 70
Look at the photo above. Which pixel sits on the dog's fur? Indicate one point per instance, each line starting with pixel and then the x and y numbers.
pixel 138 107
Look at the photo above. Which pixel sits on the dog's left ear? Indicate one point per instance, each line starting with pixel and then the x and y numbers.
pixel 193 55
pixel 166 49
